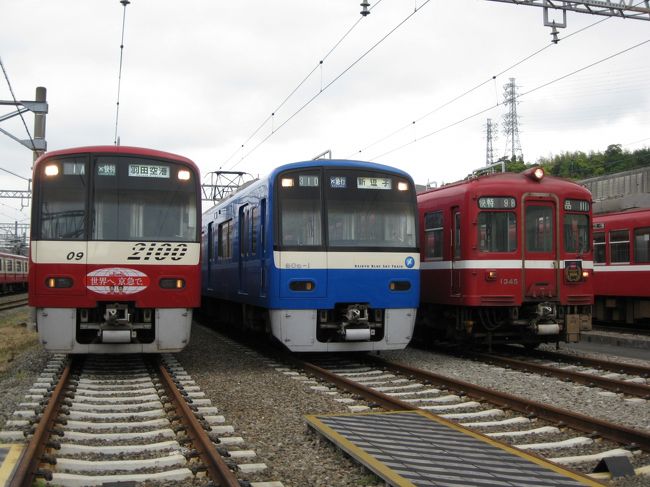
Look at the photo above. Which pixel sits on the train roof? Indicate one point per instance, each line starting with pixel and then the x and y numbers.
pixel 510 182
pixel 641 216
pixel 339 163
pixel 113 149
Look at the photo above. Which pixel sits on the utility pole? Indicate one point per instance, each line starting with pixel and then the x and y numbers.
pixel 39 108
pixel 511 119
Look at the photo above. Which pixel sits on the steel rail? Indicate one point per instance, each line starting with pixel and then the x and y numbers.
pixel 217 468
pixel 27 466
pixel 619 367
pixel 17 303
pixel 605 429
pixel 640 390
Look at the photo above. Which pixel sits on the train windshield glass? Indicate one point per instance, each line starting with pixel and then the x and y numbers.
pixel 497 231
pixel 300 209
pixel 62 196
pixel 576 233
pixel 143 199
pixel 369 210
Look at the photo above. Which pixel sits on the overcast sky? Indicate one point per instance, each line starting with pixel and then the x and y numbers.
pixel 200 77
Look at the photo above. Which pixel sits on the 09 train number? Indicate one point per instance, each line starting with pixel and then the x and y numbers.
pixel 74 256
pixel 158 251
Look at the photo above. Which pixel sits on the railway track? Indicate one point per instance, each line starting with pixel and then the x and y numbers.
pixel 571 439
pixel 632 380
pixel 110 419
pixel 13 303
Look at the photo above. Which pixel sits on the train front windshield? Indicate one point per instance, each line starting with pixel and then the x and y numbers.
pixel 346 209
pixel 117 198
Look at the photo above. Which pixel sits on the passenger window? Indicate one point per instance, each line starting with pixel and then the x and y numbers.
pixel 539 228
pixel 619 246
pixel 433 234
pixel 497 231
pixel 599 248
pixel 642 245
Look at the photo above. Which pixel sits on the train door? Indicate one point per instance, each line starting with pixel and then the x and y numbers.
pixel 455 252
pixel 244 227
pixel 540 260
pixel 210 255
pixel 262 247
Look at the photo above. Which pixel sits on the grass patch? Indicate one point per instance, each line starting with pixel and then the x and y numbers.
pixel 14 335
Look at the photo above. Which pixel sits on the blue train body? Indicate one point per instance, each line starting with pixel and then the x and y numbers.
pixel 322 254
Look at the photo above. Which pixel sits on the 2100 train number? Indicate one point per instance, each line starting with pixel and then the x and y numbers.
pixel 158 251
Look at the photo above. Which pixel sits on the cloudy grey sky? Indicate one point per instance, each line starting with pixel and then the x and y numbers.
pixel 200 77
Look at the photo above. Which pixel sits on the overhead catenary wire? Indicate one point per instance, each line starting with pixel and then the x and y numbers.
pixel 119 75
pixel 13 96
pixel 354 63
pixel 293 92
pixel 539 87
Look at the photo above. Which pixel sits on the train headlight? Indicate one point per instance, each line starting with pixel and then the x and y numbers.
pixel 402 186
pixel 400 285
pixel 302 285
pixel 184 175
pixel 585 275
pixel 287 182
pixel 172 283
pixel 58 282
pixel 491 275
pixel 52 170
pixel 535 173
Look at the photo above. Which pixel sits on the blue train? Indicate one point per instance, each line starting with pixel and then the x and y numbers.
pixel 322 254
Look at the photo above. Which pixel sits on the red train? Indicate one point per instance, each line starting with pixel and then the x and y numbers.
pixel 506 258
pixel 622 265
pixel 13 272
pixel 114 256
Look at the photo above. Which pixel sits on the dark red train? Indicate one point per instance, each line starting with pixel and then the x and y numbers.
pixel 622 265
pixel 506 258
pixel 13 272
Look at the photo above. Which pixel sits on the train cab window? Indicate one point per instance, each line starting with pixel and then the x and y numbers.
pixel 497 231
pixel 142 199
pixel 539 228
pixel 299 195
pixel 61 193
pixel 619 246
pixel 433 233
pixel 599 248
pixel 369 210
pixel 576 233
pixel 642 245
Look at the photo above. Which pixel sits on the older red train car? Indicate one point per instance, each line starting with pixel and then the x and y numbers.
pixel 622 265
pixel 506 258
pixel 13 272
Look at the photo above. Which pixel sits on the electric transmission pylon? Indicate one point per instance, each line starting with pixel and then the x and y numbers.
pixel 490 136
pixel 511 120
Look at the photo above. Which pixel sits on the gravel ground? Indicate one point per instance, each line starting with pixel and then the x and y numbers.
pixel 267 408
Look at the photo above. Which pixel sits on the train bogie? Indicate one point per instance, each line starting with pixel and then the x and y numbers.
pixel 321 255
pixel 506 259
pixel 114 250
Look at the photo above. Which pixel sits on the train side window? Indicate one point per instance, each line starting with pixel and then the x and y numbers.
pixel 599 248
pixel 10 265
pixel 2 265
pixel 19 266
pixel 255 221
pixel 619 246
pixel 642 245
pixel 225 240
pixel 433 234
pixel 497 231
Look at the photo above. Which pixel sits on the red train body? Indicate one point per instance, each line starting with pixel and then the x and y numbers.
pixel 506 258
pixel 622 265
pixel 13 272
pixel 114 260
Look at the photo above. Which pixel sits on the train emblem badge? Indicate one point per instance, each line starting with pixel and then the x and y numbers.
pixel 116 280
